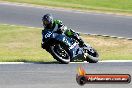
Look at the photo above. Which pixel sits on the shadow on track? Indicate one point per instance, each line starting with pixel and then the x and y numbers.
pixel 52 62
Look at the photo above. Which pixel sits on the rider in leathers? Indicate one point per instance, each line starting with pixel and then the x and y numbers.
pixel 56 25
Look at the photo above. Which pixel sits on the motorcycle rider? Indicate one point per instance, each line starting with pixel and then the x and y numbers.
pixel 56 25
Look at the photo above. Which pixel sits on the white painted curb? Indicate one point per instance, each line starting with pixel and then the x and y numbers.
pixel 108 36
pixel 116 61
pixel 107 61
pixel 12 63
pixel 104 61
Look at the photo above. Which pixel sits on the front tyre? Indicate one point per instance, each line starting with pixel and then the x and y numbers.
pixel 60 53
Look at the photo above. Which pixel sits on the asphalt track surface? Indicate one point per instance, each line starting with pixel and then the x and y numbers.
pixel 92 23
pixel 58 75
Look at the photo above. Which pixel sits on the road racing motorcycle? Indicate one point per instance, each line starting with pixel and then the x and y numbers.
pixel 65 49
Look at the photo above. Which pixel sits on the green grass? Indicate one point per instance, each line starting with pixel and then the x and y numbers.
pixel 111 48
pixel 98 5
pixel 21 44
pixel 18 43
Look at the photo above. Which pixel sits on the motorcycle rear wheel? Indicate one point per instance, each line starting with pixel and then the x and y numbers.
pixel 93 56
pixel 60 53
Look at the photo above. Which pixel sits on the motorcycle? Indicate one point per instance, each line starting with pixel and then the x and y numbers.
pixel 65 49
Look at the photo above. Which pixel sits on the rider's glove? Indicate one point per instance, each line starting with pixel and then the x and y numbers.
pixel 81 42
pixel 62 28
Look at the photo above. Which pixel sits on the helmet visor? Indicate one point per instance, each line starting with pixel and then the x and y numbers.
pixel 45 22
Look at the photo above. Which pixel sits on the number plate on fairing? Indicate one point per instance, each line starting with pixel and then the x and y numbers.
pixel 47 35
pixel 73 45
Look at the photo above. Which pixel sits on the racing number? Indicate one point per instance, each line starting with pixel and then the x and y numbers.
pixel 48 34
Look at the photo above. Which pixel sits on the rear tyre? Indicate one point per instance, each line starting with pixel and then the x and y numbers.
pixel 93 56
pixel 60 53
